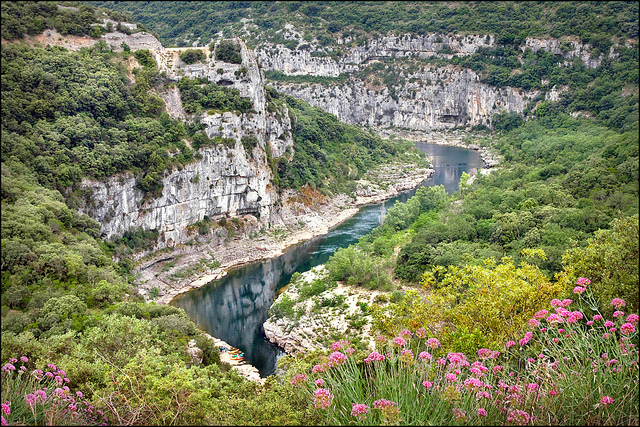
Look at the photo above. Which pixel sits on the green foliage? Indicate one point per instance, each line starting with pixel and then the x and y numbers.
pixel 249 142
pixel 330 154
pixel 568 179
pixel 228 51
pixel 199 95
pixel 145 58
pixel 611 262
pixel 31 18
pixel 76 116
pixel 511 23
pixel 191 56
pixel 282 307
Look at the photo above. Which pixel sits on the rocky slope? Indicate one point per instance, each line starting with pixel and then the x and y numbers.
pixel 226 181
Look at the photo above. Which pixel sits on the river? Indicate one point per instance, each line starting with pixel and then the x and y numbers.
pixel 235 307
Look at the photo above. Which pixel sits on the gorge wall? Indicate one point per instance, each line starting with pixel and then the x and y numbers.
pixel 225 181
pixel 431 98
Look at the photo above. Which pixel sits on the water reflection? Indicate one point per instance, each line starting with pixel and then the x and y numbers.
pixel 235 307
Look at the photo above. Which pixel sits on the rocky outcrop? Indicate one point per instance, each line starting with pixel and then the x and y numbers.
pixel 311 327
pixel 437 98
pixel 226 181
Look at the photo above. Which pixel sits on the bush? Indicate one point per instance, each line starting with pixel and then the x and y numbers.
pixel 228 51
pixel 191 56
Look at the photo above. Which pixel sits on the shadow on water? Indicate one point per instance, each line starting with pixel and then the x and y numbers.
pixel 235 307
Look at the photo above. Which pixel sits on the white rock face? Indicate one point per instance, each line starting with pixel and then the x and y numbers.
pixel 440 98
pixel 226 181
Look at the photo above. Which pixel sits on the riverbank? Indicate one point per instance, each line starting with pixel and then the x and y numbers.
pixel 302 215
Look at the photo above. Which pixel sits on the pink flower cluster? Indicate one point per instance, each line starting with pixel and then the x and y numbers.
pixel 359 410
pixel 298 379
pixel 433 343
pixel 388 408
pixel 583 281
pixel 425 356
pixel 322 398
pixel 618 303
pixel 336 358
pixel 374 356
pixel 399 342
pixel 421 333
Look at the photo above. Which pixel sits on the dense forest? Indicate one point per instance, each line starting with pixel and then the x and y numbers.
pixel 475 329
pixel 180 24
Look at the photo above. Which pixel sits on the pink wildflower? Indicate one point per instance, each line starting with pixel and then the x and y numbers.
pixel 425 356
pixel 510 344
pixel 566 302
pixel 618 313
pixel 632 318
pixel 350 351
pixel 41 395
pixel 3 421
pixel 482 412
pixel 533 387
pixel 496 369
pixel 24 359
pixel 6 409
pixel 540 314
pixel 52 367
pixel 298 379
pixel 421 333
pixel 427 384
pixel 322 398
pixel 518 417
pixel 483 395
pixel 618 303
pixel 31 399
pixel 627 328
pixel 442 361
pixel 534 323
pixel 336 358
pixel 583 281
pixel 608 324
pixel 473 383
pixel 607 400
pixel 406 334
pixel 578 290
pixel 597 317
pixel 556 303
pixel 359 410
pixel 459 414
pixel 399 342
pixel 374 356
pixel 606 335
pixel 321 367
pixel 319 382
pixel 433 343
pixel 590 322
pixel 484 353
pixel 339 345
pixel 577 315
pixel 451 377
pixel 554 318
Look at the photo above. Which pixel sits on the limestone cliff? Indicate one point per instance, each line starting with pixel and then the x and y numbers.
pixel 224 181
pixel 437 98
pixel 429 99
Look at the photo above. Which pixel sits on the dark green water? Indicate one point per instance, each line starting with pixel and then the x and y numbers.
pixel 235 307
